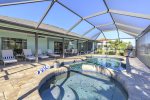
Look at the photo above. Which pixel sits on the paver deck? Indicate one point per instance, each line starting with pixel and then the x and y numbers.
pixel 14 78
pixel 140 77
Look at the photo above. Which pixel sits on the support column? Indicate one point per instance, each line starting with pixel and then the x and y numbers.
pixel 87 47
pixel 136 48
pixel 93 46
pixel 36 47
pixel 77 47
pixel 47 43
pixel 63 48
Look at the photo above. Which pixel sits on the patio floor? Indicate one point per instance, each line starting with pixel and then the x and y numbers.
pixel 139 77
pixel 14 76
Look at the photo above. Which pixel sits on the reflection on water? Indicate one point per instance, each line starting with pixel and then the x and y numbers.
pixel 114 64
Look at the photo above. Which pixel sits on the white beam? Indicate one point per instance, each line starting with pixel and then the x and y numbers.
pixel 127 38
pixel 130 33
pixel 109 30
pixel 131 27
pixel 96 14
pixel 21 2
pixel 102 25
pixel 132 14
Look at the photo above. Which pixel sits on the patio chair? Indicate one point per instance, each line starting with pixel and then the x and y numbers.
pixel 75 51
pixel 8 57
pixel 69 52
pixel 28 54
pixel 81 52
pixel 52 54
pixel 66 52
pixel 42 56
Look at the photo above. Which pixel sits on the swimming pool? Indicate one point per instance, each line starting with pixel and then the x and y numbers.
pixel 112 63
pixel 79 85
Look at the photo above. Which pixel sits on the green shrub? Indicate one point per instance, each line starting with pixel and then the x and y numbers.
pixel 121 52
pixel 111 52
pixel 99 51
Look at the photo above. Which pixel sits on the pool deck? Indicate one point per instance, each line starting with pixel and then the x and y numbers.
pixel 21 80
pixel 138 80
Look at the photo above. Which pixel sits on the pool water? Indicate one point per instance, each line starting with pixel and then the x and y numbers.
pixel 112 63
pixel 78 85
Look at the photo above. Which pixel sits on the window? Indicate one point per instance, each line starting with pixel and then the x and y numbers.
pixel 15 44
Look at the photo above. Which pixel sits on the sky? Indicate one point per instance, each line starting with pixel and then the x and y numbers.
pixel 61 17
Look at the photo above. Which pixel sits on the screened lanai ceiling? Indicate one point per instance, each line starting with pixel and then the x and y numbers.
pixel 93 19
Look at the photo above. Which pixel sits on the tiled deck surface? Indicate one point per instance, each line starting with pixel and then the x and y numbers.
pixel 139 77
pixel 14 78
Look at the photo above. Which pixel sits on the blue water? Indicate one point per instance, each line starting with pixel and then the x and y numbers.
pixel 78 85
pixel 112 63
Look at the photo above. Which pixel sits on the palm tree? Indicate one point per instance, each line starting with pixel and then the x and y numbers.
pixel 118 45
pixel 114 45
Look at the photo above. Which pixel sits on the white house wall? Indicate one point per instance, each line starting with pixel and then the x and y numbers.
pixel 30 39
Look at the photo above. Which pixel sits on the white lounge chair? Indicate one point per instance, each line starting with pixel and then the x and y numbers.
pixel 8 57
pixel 28 54
pixel 52 54
pixel 74 51
pixel 41 56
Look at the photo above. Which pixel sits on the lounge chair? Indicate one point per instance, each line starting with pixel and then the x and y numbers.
pixel 8 57
pixel 66 52
pixel 52 54
pixel 74 51
pixel 41 56
pixel 28 54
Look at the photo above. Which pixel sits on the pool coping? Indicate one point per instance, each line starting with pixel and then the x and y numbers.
pixel 30 90
pixel 122 77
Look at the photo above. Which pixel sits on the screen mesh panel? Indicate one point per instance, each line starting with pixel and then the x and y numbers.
pixel 101 19
pixel 101 36
pixel 107 28
pixel 92 33
pixel 136 6
pixel 124 35
pixel 31 11
pixel 131 21
pixel 82 28
pixel 143 49
pixel 60 17
pixel 111 34
pixel 130 29
pixel 84 7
